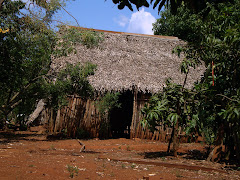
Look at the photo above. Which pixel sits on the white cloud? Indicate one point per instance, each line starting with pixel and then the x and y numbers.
pixel 122 20
pixel 141 22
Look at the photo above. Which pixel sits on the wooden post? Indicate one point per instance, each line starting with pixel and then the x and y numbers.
pixel 154 135
pixel 134 117
pixel 57 121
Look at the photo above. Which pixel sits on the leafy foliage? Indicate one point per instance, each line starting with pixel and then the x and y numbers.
pixel 27 45
pixel 107 102
pixel 24 58
pixel 168 107
pixel 194 5
pixel 71 80
pixel 215 40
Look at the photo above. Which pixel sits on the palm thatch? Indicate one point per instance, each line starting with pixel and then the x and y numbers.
pixel 127 60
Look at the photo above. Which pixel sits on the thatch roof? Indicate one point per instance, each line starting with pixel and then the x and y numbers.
pixel 127 60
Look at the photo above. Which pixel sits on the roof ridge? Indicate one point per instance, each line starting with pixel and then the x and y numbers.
pixel 126 33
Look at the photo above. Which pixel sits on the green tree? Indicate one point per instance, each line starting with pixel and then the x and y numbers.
pixel 215 40
pixel 27 45
pixel 71 80
pixel 25 55
pixel 170 108
pixel 194 5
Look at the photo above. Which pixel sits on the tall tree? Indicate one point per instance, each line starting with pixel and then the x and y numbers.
pixel 27 45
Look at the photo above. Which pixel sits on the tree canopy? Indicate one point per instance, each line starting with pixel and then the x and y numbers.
pixel 195 5
pixel 212 107
pixel 25 54
pixel 28 42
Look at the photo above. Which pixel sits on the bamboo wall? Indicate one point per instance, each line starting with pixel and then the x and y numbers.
pixel 137 131
pixel 139 101
pixel 161 134
pixel 82 114
pixel 79 115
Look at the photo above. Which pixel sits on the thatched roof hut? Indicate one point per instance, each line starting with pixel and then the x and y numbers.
pixel 126 60
pixel 136 65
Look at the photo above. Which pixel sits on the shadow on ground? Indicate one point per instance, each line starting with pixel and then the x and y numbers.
pixel 191 154
pixel 9 137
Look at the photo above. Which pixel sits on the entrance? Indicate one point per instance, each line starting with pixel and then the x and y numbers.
pixel 121 118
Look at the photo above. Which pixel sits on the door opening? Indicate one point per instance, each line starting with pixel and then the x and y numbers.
pixel 121 118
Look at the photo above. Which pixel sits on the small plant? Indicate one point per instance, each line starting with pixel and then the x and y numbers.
pixel 73 170
pixel 123 166
pixel 112 174
pixel 103 165
pixel 52 147
pixel 128 148
pixel 31 165
pixel 178 174
pixel 133 165
pixel 106 103
pixel 119 147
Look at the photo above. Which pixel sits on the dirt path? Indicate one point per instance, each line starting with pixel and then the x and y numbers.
pixel 28 155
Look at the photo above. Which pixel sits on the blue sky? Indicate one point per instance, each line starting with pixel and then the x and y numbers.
pixel 101 14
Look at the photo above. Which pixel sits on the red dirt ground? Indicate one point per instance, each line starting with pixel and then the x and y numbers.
pixel 30 155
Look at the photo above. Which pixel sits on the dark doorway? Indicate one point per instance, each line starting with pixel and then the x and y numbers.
pixel 121 118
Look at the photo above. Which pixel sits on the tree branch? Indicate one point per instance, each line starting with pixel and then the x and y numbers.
pixel 1 2
pixel 225 97
pixel 83 145
pixel 23 89
pixel 69 14
pixel 14 105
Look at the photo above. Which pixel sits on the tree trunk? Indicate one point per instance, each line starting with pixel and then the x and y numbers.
pixel 1 2
pixel 237 144
pixel 175 133
pixel 215 154
pixel 5 121
pixel 229 142
pixel 171 139
pixel 175 140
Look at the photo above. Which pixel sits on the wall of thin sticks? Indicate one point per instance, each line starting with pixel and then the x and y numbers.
pixel 81 115
pixel 161 133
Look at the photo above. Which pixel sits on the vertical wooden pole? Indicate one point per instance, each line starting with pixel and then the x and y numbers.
pixel 154 135
pixel 57 121
pixel 50 115
pixel 134 117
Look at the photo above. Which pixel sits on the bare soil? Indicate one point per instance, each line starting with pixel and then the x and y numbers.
pixel 31 155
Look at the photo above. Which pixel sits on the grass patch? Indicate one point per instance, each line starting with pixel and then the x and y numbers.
pixel 123 166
